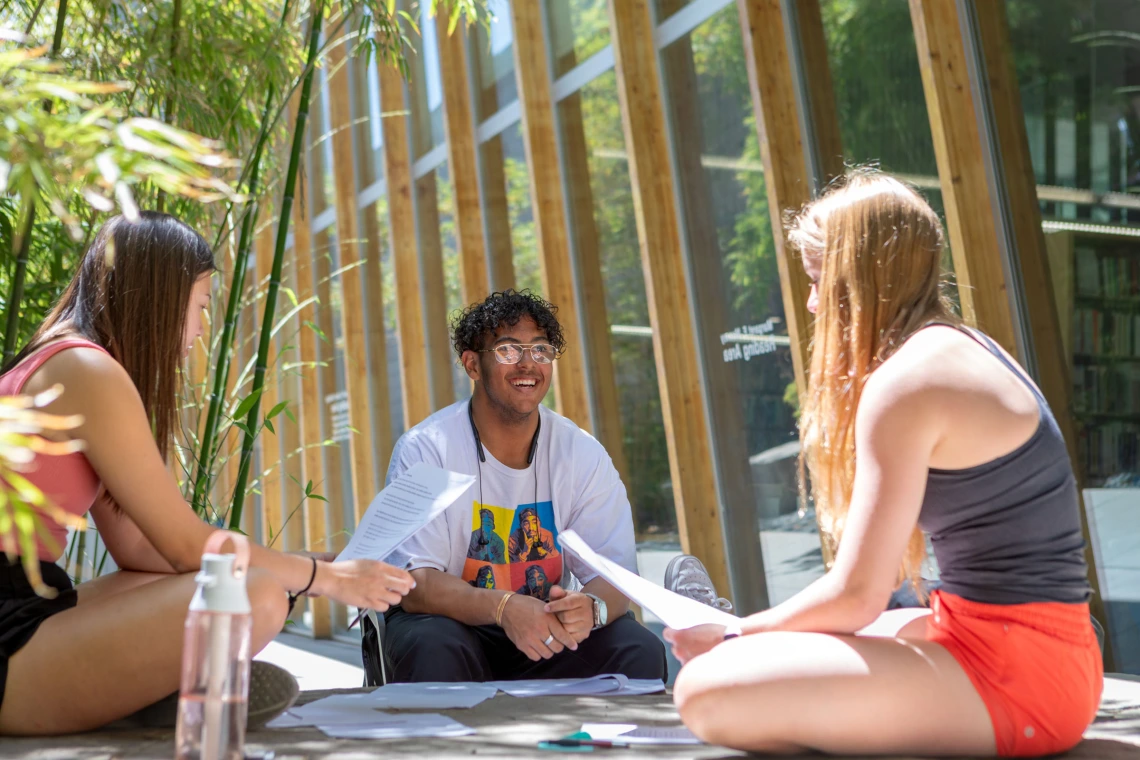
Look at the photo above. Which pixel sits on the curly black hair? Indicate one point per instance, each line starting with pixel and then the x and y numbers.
pixel 470 327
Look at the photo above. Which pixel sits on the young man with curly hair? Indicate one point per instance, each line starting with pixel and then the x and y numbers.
pixel 477 614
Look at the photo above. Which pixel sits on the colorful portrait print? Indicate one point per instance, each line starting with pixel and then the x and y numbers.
pixel 532 548
pixel 514 549
pixel 486 565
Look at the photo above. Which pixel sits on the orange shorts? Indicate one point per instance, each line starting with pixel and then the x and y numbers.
pixel 1036 666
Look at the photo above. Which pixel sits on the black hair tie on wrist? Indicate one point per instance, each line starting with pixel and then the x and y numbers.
pixel 309 585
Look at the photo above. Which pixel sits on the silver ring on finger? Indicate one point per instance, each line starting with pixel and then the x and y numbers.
pixel 549 640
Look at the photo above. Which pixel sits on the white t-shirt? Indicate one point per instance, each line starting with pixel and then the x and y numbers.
pixel 508 538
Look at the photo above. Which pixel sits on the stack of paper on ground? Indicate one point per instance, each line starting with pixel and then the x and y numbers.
pixel 632 734
pixel 675 611
pixel 611 685
pixel 363 710
pixel 408 725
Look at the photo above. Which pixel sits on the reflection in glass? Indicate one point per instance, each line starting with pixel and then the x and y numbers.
pixel 740 314
pixel 493 62
pixel 1078 68
pixel 578 30
pixel 879 99
pixel 597 172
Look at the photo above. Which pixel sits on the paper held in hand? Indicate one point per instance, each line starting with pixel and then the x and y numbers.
pixel 405 505
pixel 675 611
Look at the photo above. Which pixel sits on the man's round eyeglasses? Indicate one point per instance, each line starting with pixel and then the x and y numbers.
pixel 512 353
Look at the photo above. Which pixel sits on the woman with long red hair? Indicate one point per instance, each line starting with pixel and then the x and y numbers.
pixel 912 422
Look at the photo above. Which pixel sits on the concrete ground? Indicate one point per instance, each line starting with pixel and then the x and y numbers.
pixel 511 728
pixel 505 726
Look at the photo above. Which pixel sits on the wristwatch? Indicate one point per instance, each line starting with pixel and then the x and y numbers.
pixel 601 614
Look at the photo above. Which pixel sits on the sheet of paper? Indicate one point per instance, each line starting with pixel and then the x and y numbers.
pixel 676 611
pixel 631 733
pixel 405 505
pixel 286 720
pixel 546 687
pixel 387 726
pixel 638 686
pixel 431 696
pixel 339 709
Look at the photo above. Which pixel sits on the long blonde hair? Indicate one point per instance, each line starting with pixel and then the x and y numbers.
pixel 879 245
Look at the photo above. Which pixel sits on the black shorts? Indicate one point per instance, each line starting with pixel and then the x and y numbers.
pixel 22 610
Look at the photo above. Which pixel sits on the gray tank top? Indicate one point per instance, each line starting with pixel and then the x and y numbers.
pixel 1009 531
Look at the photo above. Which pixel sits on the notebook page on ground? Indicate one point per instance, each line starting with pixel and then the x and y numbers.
pixel 387 726
pixel 544 687
pixel 675 611
pixel 631 733
pixel 405 505
pixel 431 696
pixel 611 685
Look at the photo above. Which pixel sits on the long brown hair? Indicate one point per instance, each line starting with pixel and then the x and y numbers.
pixel 879 245
pixel 130 295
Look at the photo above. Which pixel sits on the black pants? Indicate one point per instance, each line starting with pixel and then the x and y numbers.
pixel 436 648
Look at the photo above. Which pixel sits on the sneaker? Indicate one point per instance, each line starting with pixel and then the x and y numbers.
pixel 687 576
pixel 272 691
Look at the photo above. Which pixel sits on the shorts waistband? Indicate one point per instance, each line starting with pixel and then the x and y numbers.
pixel 1069 622
pixel 14 581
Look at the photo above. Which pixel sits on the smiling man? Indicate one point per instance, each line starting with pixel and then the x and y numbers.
pixel 477 614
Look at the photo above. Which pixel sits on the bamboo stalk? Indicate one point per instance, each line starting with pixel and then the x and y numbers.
pixel 285 211
pixel 23 243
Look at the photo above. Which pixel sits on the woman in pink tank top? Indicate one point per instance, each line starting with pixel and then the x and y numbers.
pixel 114 342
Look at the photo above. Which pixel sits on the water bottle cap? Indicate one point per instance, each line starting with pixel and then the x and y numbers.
pixel 221 585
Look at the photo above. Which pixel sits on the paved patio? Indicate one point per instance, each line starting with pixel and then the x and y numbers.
pixel 509 727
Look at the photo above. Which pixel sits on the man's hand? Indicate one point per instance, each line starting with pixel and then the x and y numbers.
pixel 693 642
pixel 574 610
pixel 529 627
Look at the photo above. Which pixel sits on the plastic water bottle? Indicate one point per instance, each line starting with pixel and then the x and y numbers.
pixel 213 700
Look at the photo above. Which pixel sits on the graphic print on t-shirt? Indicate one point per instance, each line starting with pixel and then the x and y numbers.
pixel 514 550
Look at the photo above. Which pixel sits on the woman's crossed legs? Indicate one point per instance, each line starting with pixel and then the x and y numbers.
pixel 118 650
pixel 866 694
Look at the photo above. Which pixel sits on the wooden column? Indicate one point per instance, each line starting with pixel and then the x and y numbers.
pixel 497 214
pixel 587 247
pixel 332 449
pixel 459 127
pixel 292 460
pixel 674 344
pixel 820 93
pixel 549 204
pixel 710 282
pixel 373 243
pixel 786 173
pixel 313 470
pixel 410 324
pixel 269 472
pixel 353 318
pixel 970 222
pixel 970 200
pixel 426 203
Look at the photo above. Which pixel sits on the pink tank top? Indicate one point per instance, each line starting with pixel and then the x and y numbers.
pixel 68 481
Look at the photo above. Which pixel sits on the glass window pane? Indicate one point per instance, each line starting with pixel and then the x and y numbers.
pixel 742 331
pixel 666 8
pixel 578 30
pixel 450 245
pixel 493 62
pixel 601 196
pixel 880 102
pixel 1078 69
pixel 425 88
